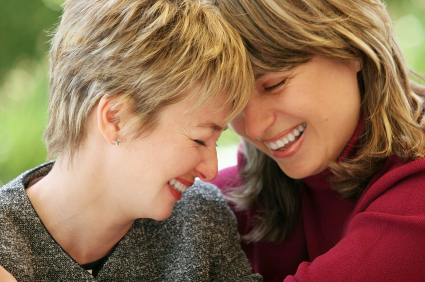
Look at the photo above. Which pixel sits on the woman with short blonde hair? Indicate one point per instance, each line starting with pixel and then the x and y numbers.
pixel 334 116
pixel 140 92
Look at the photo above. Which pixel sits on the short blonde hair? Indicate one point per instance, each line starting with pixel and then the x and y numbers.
pixel 282 34
pixel 147 53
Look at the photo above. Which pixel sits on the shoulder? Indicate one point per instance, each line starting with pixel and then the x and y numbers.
pixel 203 209
pixel 203 190
pixel 203 199
pixel 17 220
pixel 13 196
pixel 389 222
pixel 11 214
pixel 14 246
pixel 198 242
pixel 398 185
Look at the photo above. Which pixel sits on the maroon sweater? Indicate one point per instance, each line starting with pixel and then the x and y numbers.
pixel 379 237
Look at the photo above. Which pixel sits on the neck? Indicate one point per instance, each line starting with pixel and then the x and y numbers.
pixel 321 180
pixel 74 204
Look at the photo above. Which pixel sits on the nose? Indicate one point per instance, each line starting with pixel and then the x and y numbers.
pixel 259 116
pixel 207 168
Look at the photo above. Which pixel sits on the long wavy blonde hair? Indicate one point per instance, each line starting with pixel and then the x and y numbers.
pixel 281 34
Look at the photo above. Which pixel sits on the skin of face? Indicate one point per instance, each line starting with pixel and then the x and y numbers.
pixel 182 147
pixel 322 94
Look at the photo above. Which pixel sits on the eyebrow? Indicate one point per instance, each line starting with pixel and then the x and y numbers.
pixel 213 126
pixel 260 75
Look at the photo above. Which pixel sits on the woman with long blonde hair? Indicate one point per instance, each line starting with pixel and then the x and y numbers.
pixel 330 182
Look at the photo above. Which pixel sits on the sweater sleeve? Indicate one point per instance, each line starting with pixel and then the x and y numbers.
pixel 227 179
pixel 229 262
pixel 230 258
pixel 385 237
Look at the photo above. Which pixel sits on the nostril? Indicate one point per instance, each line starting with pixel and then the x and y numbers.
pixel 201 175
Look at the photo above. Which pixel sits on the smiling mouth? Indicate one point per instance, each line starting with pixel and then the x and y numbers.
pixel 286 141
pixel 178 186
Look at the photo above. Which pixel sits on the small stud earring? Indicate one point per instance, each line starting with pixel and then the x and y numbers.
pixel 117 142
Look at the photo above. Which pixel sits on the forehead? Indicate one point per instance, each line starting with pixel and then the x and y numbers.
pixel 213 104
pixel 265 75
pixel 207 115
pixel 261 75
pixel 259 72
pixel 213 126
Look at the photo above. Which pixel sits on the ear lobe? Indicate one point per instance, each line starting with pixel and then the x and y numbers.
pixel 107 119
pixel 357 66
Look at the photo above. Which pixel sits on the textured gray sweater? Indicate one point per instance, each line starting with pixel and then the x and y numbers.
pixel 198 242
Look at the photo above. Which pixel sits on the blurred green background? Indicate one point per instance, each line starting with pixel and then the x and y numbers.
pixel 24 29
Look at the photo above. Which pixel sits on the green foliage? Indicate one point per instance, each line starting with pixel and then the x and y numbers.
pixel 23 26
pixel 23 112
pixel 409 28
pixel 24 29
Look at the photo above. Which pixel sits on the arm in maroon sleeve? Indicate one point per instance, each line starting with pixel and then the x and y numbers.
pixel 385 239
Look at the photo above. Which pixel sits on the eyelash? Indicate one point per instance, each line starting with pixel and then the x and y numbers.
pixel 268 89
pixel 202 143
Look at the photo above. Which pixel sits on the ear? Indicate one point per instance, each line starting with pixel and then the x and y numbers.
pixel 357 65
pixel 107 119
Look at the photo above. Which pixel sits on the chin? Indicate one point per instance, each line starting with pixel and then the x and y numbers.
pixel 299 173
pixel 163 214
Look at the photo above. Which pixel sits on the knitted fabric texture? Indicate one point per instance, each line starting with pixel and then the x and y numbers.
pixel 198 242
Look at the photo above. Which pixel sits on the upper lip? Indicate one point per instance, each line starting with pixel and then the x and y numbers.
pixel 280 135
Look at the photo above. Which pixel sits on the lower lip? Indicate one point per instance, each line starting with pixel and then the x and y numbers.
pixel 175 193
pixel 292 150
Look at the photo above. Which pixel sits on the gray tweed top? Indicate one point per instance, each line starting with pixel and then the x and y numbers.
pixel 198 242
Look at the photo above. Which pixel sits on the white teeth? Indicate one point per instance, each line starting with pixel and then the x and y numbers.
pixel 177 185
pixel 301 128
pixel 289 138
pixel 280 143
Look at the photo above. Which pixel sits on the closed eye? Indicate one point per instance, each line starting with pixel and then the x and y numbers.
pixel 271 88
pixel 202 143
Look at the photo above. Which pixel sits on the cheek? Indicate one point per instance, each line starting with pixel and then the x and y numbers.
pixel 238 125
pixel 183 160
